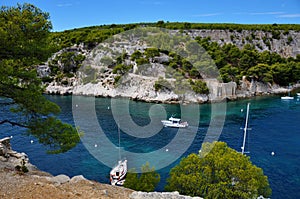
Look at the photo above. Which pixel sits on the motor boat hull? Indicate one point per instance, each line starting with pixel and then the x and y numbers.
pixel 287 98
pixel 174 122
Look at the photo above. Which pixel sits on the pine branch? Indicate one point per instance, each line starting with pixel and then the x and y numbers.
pixel 13 123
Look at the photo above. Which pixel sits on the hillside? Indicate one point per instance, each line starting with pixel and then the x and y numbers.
pixel 271 37
pixel 153 64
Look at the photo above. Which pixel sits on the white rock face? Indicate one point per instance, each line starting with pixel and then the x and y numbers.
pixel 138 82
pixel 239 38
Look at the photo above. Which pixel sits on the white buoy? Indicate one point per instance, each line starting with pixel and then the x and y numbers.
pixel 272 153
pixel 242 110
pixel 167 150
pixel 76 105
pixel 11 136
pixel 108 107
pixel 31 141
pixel 96 145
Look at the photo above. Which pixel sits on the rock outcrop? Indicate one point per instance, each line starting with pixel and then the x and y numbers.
pixel 97 78
pixel 287 44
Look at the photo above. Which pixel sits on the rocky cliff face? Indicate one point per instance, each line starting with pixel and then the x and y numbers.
pixel 97 76
pixel 286 44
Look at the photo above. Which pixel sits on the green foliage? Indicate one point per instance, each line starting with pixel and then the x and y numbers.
pixel 275 34
pixel 229 73
pixel 23 33
pixel 121 69
pixel 117 79
pixel 161 84
pixel 218 172
pixel 283 73
pixel 142 61
pixel 261 72
pixel 146 181
pixel 23 37
pixel 233 63
pixel 290 39
pixel 60 137
pixel 69 61
pixel 136 55
pixel 199 86
pixel 151 52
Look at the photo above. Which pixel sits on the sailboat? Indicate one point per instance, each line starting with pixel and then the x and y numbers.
pixel 118 172
pixel 245 130
pixel 289 97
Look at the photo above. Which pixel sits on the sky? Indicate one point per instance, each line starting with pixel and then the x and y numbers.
pixel 70 14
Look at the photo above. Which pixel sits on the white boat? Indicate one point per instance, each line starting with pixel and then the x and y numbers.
pixel 287 98
pixel 174 122
pixel 118 173
pixel 298 94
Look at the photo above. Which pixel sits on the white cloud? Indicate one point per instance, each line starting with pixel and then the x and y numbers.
pixel 266 13
pixel 289 16
pixel 207 15
pixel 64 5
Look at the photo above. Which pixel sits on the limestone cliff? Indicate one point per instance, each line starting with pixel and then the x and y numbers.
pixel 286 44
pixel 98 74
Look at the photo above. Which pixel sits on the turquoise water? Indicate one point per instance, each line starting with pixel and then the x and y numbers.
pixel 275 128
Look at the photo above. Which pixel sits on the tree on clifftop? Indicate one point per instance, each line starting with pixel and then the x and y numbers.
pixel 23 43
pixel 218 172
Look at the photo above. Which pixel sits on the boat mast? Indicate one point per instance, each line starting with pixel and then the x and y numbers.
pixel 119 143
pixel 245 129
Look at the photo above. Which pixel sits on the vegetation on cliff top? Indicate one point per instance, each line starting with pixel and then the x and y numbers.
pixel 96 34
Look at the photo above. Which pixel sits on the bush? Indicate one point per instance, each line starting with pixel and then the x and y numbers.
pixel 146 181
pixel 161 84
pixel 218 172
pixel 199 86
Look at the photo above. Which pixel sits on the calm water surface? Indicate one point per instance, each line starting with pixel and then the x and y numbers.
pixel 275 128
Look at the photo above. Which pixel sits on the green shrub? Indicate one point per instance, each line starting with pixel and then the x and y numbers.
pixel 218 172
pixel 146 181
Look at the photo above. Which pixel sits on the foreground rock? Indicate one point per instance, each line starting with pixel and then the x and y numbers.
pixel 41 185
pixel 37 184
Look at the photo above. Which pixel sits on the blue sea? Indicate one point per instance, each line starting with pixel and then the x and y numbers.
pixel 274 123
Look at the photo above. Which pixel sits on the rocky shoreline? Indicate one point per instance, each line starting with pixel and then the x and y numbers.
pixel 141 89
pixel 33 183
